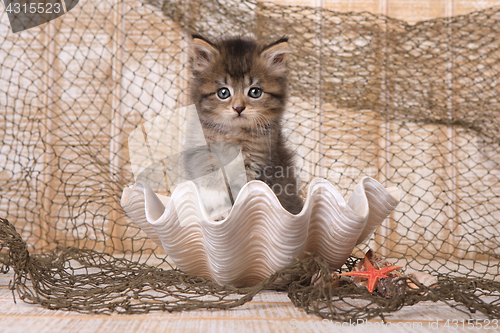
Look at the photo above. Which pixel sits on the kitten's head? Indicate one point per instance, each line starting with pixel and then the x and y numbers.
pixel 238 82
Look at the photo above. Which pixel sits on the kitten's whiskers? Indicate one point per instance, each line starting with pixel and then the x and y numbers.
pixel 261 123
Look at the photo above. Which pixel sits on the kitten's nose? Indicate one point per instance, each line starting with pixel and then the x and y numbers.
pixel 238 108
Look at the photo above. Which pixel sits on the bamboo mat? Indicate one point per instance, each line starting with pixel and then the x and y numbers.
pixel 269 311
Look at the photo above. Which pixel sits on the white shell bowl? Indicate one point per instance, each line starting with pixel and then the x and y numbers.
pixel 259 236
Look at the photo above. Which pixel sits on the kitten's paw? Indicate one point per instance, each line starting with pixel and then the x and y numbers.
pixel 220 217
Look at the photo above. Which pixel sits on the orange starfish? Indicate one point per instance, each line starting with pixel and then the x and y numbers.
pixel 372 274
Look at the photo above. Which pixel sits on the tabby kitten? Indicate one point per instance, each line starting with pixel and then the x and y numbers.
pixel 239 87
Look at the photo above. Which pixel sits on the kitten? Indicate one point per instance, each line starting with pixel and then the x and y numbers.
pixel 239 87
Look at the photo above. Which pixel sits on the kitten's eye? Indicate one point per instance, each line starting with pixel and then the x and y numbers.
pixel 255 92
pixel 223 93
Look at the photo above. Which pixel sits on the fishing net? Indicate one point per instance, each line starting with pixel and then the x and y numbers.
pixel 413 106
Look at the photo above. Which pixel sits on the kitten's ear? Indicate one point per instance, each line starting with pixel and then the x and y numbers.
pixel 275 55
pixel 202 52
